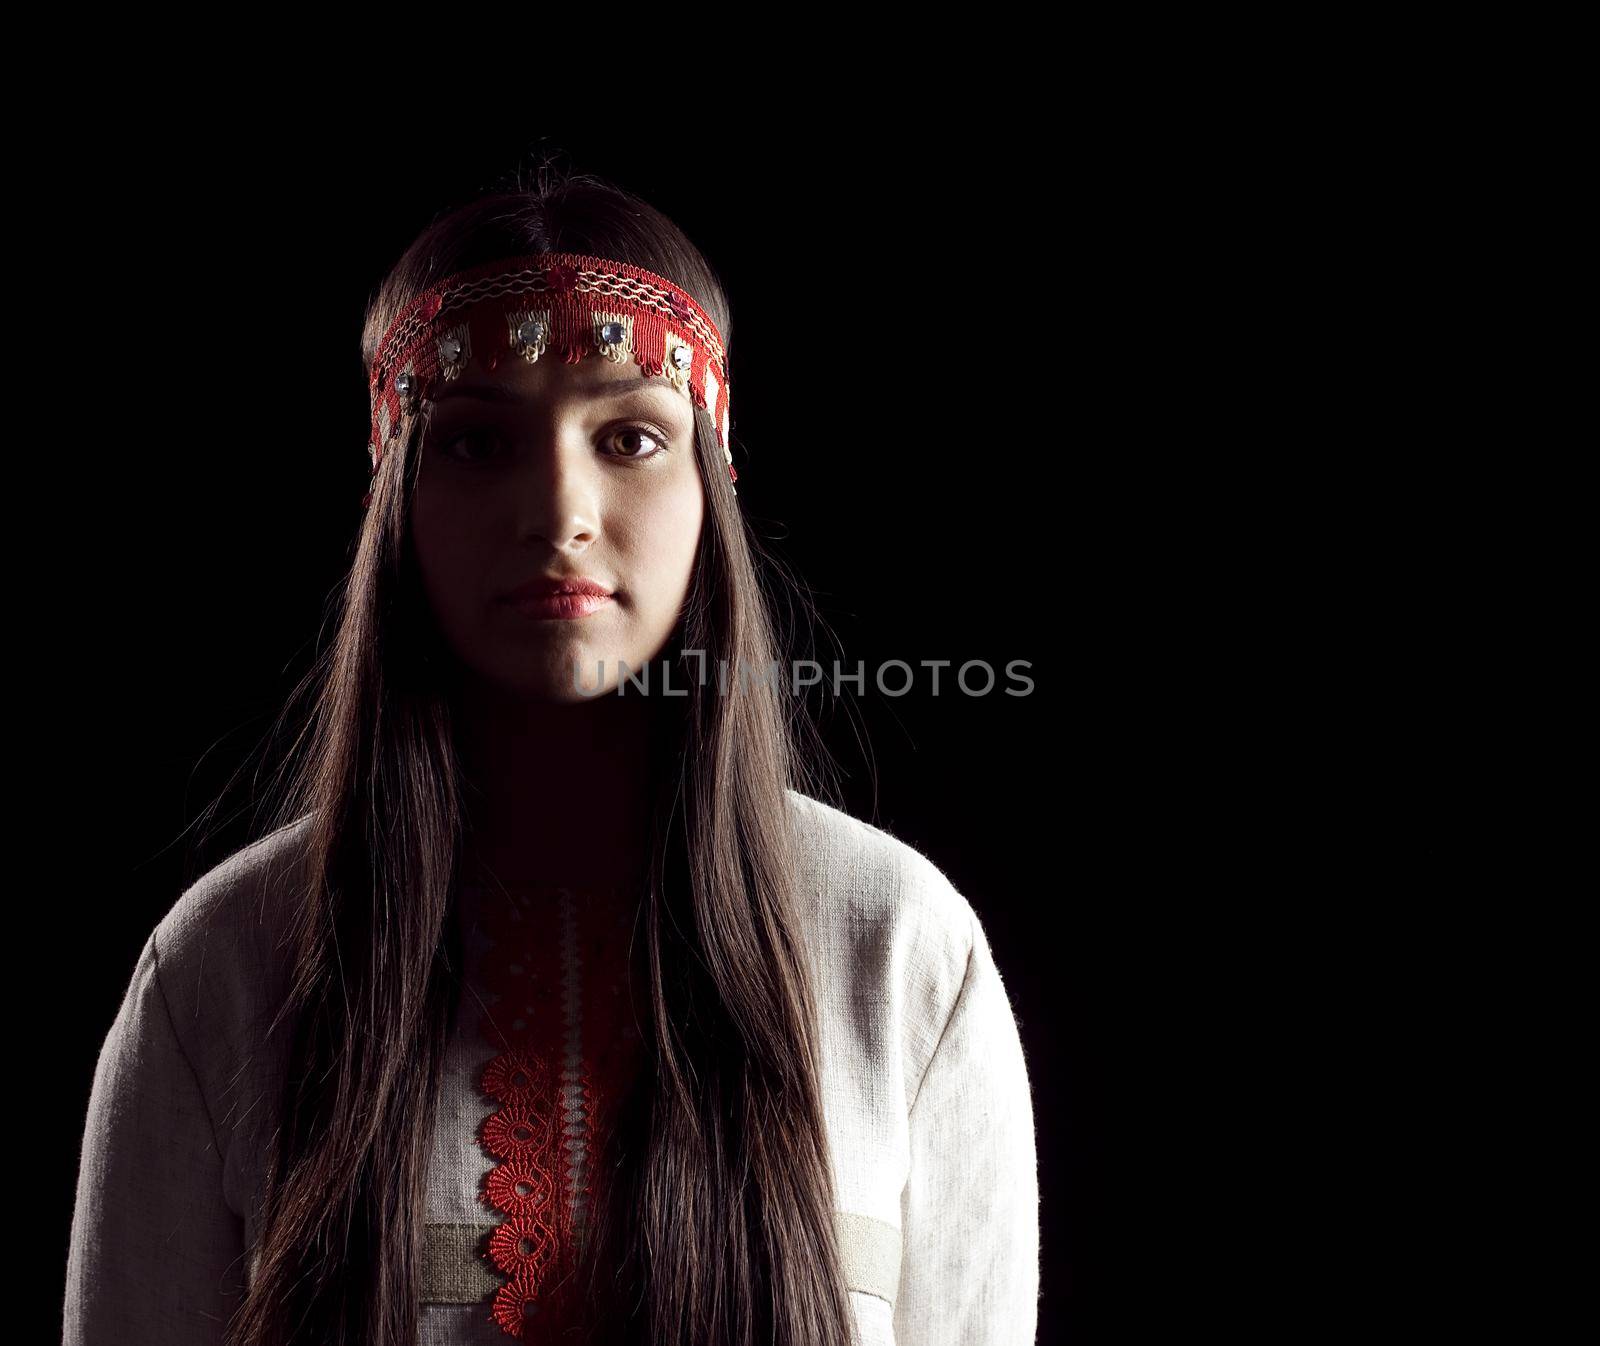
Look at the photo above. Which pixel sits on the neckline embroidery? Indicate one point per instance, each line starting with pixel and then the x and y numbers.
pixel 559 1024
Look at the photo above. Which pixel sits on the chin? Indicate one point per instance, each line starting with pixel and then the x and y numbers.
pixel 569 676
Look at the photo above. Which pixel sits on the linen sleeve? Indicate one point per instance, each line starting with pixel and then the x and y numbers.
pixel 970 1208
pixel 156 1256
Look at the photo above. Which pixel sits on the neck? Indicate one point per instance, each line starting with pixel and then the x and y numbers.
pixel 557 793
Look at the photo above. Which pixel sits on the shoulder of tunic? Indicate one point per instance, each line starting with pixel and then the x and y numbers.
pixel 222 960
pixel 224 936
pixel 853 873
pixel 891 936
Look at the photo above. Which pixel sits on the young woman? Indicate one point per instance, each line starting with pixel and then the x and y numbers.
pixel 556 1004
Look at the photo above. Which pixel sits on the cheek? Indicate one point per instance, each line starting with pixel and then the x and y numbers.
pixel 672 536
pixel 444 553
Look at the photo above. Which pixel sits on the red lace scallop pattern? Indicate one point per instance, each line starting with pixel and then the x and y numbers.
pixel 558 1020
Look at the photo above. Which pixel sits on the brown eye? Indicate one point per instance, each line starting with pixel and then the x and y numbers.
pixel 468 446
pixel 637 441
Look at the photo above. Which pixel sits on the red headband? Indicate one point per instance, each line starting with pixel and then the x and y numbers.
pixel 565 303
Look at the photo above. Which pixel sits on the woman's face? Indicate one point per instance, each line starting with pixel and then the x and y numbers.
pixel 558 471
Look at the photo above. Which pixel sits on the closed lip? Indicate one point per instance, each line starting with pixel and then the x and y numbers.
pixel 545 586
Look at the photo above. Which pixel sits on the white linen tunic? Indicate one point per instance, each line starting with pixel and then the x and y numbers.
pixel 924 1086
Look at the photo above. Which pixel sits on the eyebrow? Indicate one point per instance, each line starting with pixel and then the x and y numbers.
pixel 499 392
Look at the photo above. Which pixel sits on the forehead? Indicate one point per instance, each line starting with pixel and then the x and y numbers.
pixel 515 380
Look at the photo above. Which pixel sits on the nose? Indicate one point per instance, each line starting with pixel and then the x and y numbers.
pixel 558 490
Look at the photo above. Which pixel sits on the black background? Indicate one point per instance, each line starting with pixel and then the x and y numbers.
pixel 944 420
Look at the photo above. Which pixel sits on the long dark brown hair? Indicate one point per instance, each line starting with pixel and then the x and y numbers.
pixel 713 1222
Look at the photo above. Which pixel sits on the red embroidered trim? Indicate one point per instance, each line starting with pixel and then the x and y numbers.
pixel 558 1018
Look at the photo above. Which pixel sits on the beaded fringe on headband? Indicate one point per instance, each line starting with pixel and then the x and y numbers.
pixel 558 304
